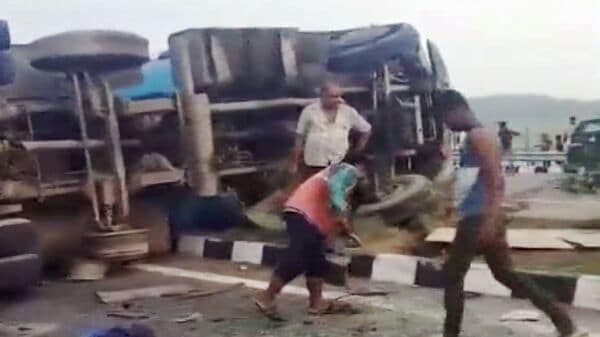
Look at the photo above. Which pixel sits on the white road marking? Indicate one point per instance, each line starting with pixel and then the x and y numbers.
pixel 257 284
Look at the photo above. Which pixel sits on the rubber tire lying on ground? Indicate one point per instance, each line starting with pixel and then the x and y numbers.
pixel 409 186
pixel 7 68
pixel 19 271
pixel 4 35
pixel 17 237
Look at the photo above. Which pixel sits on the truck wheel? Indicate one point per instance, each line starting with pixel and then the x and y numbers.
pixel 17 237
pixel 407 186
pixel 100 51
pixel 20 271
pixel 4 35
pixel 7 68
pixel 366 49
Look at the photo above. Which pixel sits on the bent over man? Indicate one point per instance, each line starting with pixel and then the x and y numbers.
pixel 314 213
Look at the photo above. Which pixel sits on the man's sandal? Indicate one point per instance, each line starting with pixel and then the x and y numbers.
pixel 269 311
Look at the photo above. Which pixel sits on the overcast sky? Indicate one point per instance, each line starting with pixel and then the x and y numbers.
pixel 491 47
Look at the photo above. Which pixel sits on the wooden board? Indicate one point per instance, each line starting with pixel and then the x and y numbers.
pixel 137 293
pixel 523 238
pixel 581 237
pixel 13 222
pixel 10 209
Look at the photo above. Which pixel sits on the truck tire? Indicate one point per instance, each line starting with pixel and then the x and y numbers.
pixel 99 51
pixel 368 48
pixel 17 237
pixel 7 68
pixel 30 82
pixel 4 35
pixel 408 187
pixel 19 271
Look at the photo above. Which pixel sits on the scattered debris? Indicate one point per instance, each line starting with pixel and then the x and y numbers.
pixel 336 307
pixel 87 270
pixel 136 293
pixel 217 319
pixel 367 292
pixel 471 294
pixel 521 316
pixel 308 321
pixel 365 328
pixel 128 314
pixel 27 329
pixel 193 317
pixel 197 293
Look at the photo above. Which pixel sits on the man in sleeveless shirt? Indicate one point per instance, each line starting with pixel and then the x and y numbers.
pixel 315 212
pixel 481 228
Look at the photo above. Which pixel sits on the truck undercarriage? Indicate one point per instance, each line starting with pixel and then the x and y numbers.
pixel 75 129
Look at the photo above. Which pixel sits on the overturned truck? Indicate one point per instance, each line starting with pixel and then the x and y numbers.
pixel 90 128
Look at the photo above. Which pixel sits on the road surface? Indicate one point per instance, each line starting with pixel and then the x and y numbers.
pixel 71 309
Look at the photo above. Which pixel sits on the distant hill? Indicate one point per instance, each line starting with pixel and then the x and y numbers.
pixel 538 113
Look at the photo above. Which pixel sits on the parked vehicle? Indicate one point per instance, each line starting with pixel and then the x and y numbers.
pixel 584 147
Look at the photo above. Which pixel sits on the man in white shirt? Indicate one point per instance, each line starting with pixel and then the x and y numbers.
pixel 321 140
pixel 323 131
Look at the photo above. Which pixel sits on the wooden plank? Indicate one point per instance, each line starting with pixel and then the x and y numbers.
pixel 581 238
pixel 119 296
pixel 517 238
pixel 10 209
pixel 127 314
pixel 14 222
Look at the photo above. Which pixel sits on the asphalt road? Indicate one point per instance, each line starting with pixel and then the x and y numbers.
pixel 72 309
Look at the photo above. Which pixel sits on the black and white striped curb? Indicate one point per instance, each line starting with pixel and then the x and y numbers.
pixel 580 291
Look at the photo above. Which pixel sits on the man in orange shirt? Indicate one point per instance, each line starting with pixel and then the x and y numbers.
pixel 314 213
